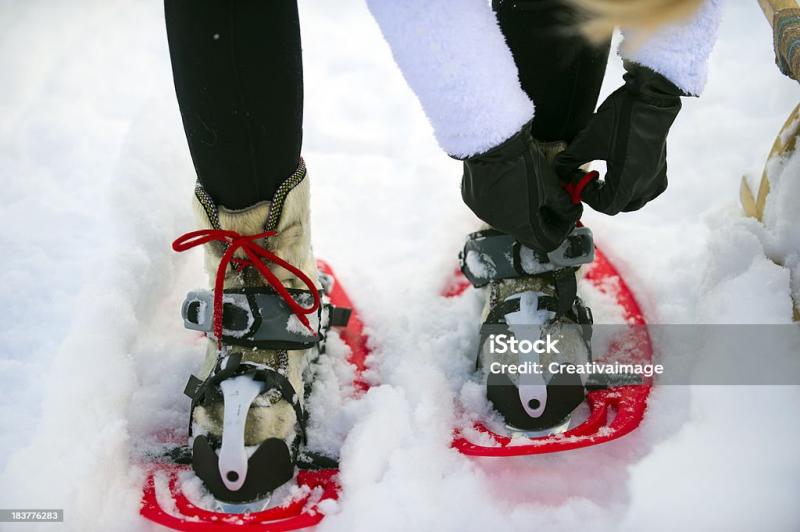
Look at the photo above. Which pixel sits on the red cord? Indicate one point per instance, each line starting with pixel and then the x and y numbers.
pixel 255 257
pixel 575 190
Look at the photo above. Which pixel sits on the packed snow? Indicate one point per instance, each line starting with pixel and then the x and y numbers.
pixel 97 182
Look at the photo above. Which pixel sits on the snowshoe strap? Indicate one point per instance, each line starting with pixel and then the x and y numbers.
pixel 491 255
pixel 199 391
pixel 338 316
pixel 577 313
pixel 196 389
pixel 566 289
pixel 259 317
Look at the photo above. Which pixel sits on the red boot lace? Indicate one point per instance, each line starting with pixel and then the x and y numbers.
pixel 576 189
pixel 256 256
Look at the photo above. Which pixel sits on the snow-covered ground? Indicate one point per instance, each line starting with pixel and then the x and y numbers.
pixel 96 183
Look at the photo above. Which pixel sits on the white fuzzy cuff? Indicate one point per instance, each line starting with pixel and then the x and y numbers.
pixel 679 52
pixel 455 58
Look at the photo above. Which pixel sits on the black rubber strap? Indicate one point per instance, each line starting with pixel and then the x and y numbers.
pixel 199 390
pixel 491 255
pixel 498 313
pixel 253 317
pixel 578 313
pixel 196 389
pixel 566 289
pixel 193 386
pixel 339 316
pixel 274 380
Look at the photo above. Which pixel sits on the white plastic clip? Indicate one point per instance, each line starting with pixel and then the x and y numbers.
pixel 238 393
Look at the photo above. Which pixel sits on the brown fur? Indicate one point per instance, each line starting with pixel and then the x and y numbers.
pixel 602 16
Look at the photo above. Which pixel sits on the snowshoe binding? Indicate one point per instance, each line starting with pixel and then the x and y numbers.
pixel 266 320
pixel 533 322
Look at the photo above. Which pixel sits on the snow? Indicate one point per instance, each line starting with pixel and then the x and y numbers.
pixel 781 239
pixel 530 263
pixel 97 183
pixel 480 264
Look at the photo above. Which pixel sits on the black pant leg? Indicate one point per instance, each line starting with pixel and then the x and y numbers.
pixel 560 71
pixel 238 76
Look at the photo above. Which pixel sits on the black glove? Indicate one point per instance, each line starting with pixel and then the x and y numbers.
pixel 629 132
pixel 513 188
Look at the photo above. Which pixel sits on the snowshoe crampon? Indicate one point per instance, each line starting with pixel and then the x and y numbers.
pixel 165 502
pixel 613 411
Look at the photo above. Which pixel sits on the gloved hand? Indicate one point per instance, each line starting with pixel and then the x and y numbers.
pixel 513 188
pixel 629 132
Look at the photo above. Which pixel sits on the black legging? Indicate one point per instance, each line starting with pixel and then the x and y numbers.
pixel 239 80
pixel 558 69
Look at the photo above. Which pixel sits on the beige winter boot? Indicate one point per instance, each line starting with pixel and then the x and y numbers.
pixel 263 328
